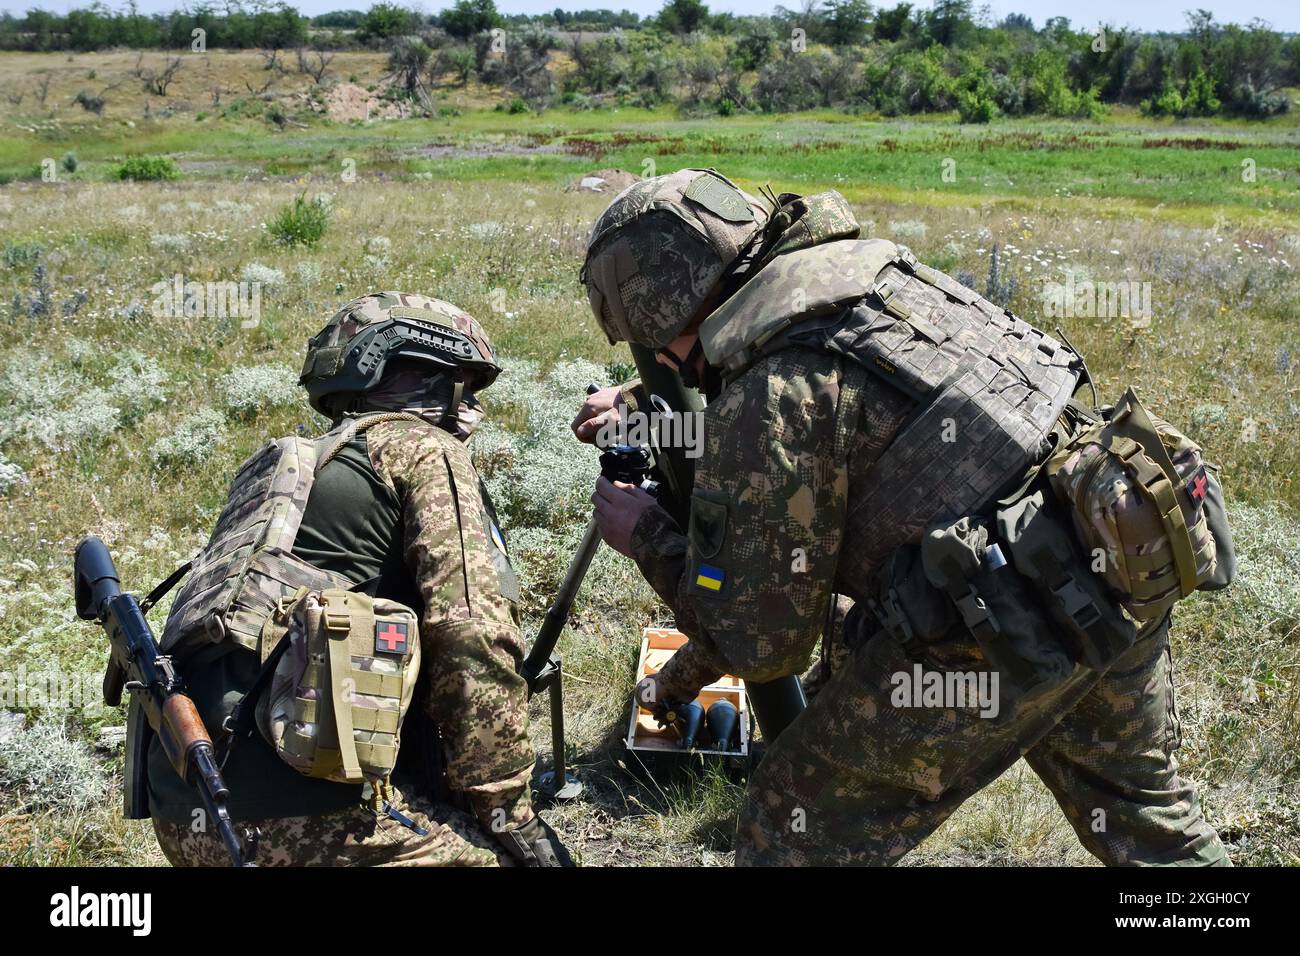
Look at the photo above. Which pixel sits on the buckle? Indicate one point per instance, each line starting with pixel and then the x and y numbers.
pixel 1076 603
pixel 895 619
pixel 973 610
pixel 337 620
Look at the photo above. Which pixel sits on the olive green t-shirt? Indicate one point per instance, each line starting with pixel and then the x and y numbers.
pixel 352 526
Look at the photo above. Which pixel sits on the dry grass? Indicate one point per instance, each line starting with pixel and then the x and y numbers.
pixel 1219 355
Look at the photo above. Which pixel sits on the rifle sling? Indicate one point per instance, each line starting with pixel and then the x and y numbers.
pixel 164 586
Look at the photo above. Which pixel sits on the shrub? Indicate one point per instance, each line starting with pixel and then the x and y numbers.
pixel 10 475
pixel 191 443
pixel 69 162
pixel 148 169
pixel 170 242
pixel 249 389
pixel 975 107
pixel 269 279
pixel 91 102
pixel 42 767
pixel 538 477
pixel 301 223
pixel 137 384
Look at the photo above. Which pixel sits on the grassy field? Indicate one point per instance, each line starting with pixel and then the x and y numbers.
pixel 128 423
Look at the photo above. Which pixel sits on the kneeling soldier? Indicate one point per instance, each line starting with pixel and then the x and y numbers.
pixel 339 572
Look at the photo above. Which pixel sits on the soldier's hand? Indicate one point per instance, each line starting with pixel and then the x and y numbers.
pixel 600 409
pixel 618 509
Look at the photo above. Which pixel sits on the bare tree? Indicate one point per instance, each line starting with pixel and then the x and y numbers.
pixel 16 97
pixel 43 87
pixel 314 65
pixel 157 81
pixel 265 86
pixel 271 60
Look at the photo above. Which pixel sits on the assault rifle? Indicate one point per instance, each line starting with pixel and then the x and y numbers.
pixel 159 702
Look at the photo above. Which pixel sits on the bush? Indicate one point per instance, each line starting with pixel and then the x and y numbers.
pixel 301 223
pixel 91 102
pixel 148 169
pixel 10 475
pixel 191 443
pixel 137 384
pixel 43 767
pixel 69 162
pixel 975 107
pixel 249 389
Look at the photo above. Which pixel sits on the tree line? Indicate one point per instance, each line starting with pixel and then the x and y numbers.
pixel 844 54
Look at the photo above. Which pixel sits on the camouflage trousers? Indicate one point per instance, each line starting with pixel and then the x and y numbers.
pixel 352 837
pixel 856 780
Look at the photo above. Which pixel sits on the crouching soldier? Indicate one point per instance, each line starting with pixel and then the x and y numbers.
pixel 350 579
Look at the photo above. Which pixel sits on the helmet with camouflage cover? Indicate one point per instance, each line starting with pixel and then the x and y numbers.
pixel 657 255
pixel 371 335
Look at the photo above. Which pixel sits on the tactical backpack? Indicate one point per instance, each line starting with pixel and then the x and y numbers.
pixel 339 666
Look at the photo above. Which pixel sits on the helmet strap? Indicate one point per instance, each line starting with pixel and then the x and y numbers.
pixel 686 367
pixel 453 407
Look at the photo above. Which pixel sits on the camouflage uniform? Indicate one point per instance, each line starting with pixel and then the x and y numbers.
pixel 350 837
pixel 790 444
pixel 438 549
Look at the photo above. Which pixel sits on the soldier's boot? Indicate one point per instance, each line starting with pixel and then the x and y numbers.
pixel 535 844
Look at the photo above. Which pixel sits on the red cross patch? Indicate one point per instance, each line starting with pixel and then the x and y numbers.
pixel 390 637
pixel 1197 487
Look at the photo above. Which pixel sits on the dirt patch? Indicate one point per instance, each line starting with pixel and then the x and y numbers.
pixel 347 102
pixel 603 181
pixel 452 151
pixel 1167 143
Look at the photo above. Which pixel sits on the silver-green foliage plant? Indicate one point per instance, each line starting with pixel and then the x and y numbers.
pixel 249 389
pixel 540 476
pixel 191 443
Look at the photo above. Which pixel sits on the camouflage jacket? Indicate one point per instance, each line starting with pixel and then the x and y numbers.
pixel 785 447
pixel 469 624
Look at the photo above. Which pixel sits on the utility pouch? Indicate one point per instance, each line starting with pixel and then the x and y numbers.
pixel 906 605
pixel 344 675
pixel 962 560
pixel 1143 501
pixel 1042 547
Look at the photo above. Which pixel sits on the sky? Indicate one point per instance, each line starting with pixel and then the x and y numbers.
pixel 1282 15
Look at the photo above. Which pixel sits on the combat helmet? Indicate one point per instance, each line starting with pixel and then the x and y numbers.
pixel 657 256
pixel 366 338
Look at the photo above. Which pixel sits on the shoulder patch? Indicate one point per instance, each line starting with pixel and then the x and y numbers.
pixel 710 578
pixel 708 526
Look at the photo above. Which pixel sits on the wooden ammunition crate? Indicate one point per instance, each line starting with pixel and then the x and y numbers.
pixel 643 732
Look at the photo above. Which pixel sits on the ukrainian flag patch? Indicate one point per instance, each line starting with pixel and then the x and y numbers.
pixel 710 578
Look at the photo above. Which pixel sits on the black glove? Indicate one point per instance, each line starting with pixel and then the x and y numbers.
pixel 535 844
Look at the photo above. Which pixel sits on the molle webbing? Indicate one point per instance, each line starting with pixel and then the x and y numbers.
pixel 989 387
pixel 248 565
